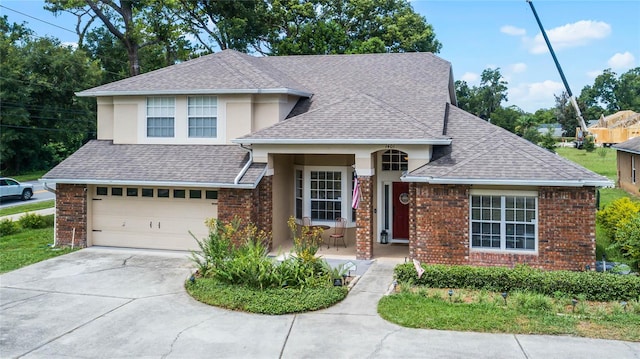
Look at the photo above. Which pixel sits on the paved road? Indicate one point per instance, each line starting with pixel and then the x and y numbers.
pixel 39 194
pixel 106 303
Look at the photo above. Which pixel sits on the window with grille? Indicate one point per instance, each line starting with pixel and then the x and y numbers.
pixel 160 116
pixel 326 195
pixel 504 222
pixel 394 160
pixel 203 116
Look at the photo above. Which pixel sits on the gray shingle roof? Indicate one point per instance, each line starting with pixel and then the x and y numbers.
pixel 482 152
pixel 192 165
pixel 223 72
pixel 632 145
pixel 358 119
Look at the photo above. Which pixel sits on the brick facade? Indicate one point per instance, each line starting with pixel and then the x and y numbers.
pixel 439 229
pixel 364 220
pixel 71 213
pixel 253 206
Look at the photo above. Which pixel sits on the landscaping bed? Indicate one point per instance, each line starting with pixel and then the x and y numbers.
pixel 235 272
pixel 522 300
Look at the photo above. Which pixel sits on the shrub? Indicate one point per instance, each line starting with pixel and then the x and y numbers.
pixel 8 227
pixel 627 240
pixel 272 301
pixel 592 285
pixel 615 214
pixel 237 254
pixel 32 221
pixel 589 144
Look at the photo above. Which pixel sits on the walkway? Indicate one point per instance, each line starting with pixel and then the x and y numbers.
pixel 106 303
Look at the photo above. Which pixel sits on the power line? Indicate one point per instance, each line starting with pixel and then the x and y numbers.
pixel 35 18
pixel 45 129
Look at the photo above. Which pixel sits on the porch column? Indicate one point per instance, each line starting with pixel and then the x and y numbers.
pixel 364 219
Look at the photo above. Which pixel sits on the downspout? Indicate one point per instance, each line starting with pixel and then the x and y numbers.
pixel 246 166
pixel 55 223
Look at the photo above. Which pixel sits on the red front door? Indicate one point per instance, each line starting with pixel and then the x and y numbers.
pixel 400 210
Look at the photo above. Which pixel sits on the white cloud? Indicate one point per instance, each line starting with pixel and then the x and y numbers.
pixel 470 77
pixel 570 35
pixel 518 67
pixel 594 74
pixel 512 30
pixel 533 96
pixel 622 61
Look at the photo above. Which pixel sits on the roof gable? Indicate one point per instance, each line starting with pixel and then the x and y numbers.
pixel 482 152
pixel 358 119
pixel 227 71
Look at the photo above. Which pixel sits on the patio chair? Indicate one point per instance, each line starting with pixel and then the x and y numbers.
pixel 338 232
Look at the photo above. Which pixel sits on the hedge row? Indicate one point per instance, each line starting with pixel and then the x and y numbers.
pixel 592 285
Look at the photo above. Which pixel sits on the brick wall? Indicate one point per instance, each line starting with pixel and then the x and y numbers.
pixel 71 212
pixel 253 206
pixel 566 229
pixel 439 232
pixel 364 220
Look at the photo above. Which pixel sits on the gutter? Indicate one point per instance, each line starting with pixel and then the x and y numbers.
pixel 244 169
pixel 279 91
pixel 148 183
pixel 510 182
pixel 347 141
pixel 46 186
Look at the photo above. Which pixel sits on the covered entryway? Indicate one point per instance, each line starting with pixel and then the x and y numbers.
pixel 153 218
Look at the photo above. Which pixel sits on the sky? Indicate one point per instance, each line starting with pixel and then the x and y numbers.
pixel 587 37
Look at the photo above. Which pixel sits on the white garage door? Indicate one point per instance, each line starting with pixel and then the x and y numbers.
pixel 158 218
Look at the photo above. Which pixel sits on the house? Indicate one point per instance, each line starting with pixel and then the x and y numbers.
pixel 628 154
pixel 555 129
pixel 267 138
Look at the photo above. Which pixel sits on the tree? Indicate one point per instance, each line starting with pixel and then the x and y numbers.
pixel 485 99
pixel 627 91
pixel 42 120
pixel 527 127
pixel 566 114
pixel 135 23
pixel 341 27
pixel 236 25
pixel 507 117
pixel 493 90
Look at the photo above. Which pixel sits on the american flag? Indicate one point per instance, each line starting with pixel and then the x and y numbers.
pixel 356 193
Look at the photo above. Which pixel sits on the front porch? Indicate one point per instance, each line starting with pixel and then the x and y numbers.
pixel 393 251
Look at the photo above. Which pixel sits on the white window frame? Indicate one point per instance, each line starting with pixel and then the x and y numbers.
pixel 199 110
pixel 345 197
pixel 161 108
pixel 503 222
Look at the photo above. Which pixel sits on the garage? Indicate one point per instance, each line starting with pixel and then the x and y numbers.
pixel 150 217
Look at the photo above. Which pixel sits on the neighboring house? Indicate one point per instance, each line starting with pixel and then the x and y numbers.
pixel 628 154
pixel 267 138
pixel 555 129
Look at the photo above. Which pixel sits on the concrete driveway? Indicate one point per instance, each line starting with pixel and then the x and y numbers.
pixel 102 303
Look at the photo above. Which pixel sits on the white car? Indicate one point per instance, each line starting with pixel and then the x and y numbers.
pixel 10 188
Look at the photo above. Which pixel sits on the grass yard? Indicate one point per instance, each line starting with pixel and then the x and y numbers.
pixel 523 313
pixel 26 247
pixel 601 161
pixel 26 208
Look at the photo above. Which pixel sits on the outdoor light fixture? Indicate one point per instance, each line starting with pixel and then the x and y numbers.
pixel 504 296
pixel 574 301
pixel 192 279
pixel 624 305
pixel 450 294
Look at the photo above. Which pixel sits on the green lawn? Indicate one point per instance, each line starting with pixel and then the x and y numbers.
pixel 26 208
pixel 601 161
pixel 523 313
pixel 26 247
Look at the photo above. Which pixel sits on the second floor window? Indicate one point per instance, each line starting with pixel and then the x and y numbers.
pixel 203 116
pixel 160 116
